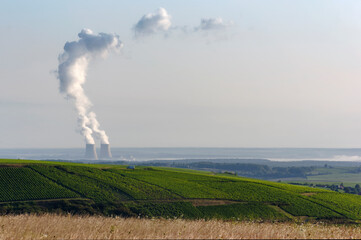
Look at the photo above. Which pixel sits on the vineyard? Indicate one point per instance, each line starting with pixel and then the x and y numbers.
pixel 24 184
pixel 162 192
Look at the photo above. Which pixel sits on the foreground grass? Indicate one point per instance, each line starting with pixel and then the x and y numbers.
pixel 50 226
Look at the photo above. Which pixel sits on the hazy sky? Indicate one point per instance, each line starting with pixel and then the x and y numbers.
pixel 275 74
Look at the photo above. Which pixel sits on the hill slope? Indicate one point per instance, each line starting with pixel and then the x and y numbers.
pixel 29 186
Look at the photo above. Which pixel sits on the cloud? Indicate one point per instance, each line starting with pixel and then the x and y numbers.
pixel 153 23
pixel 160 22
pixel 211 24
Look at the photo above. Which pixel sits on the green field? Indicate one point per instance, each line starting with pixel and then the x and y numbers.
pixel 349 176
pixel 21 183
pixel 37 186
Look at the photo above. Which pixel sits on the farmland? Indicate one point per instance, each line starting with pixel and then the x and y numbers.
pixel 35 186
pixel 23 184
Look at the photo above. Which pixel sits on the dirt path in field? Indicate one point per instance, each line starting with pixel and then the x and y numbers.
pixel 209 202
pixel 194 201
pixel 11 165
pixel 308 194
pixel 46 200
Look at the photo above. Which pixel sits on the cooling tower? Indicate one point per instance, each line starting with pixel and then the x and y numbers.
pixel 90 152
pixel 105 151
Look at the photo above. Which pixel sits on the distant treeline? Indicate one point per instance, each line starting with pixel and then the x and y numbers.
pixel 243 169
pixel 334 187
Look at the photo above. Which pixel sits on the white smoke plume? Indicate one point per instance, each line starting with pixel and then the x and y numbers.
pixel 208 24
pixel 94 125
pixel 152 23
pixel 72 69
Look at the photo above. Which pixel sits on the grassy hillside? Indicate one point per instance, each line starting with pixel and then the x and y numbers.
pixel 35 186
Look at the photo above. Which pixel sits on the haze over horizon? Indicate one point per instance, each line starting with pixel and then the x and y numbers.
pixel 190 74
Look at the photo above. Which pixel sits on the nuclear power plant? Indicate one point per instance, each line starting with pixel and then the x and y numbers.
pixel 90 152
pixel 105 151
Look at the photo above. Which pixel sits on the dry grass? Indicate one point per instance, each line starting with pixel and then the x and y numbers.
pixel 77 227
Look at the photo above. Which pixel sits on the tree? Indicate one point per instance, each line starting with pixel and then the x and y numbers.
pixel 357 188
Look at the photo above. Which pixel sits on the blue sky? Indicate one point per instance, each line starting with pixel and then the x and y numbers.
pixel 283 74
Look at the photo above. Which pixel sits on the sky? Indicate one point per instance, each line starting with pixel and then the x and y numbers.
pixel 252 74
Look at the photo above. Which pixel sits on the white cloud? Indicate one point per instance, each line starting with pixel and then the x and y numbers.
pixel 210 24
pixel 152 23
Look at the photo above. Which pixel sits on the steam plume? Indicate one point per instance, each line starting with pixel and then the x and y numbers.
pixel 73 64
pixel 94 125
pixel 153 23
